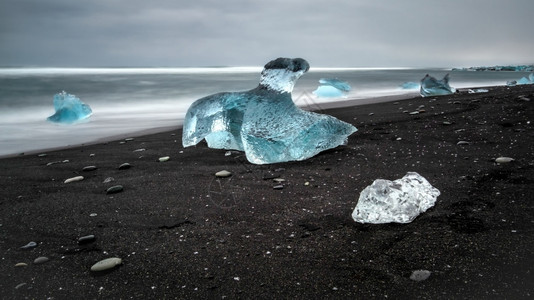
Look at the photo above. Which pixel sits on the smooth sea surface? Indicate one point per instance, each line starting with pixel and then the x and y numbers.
pixel 130 100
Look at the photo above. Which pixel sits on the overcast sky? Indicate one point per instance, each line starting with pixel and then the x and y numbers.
pixel 350 33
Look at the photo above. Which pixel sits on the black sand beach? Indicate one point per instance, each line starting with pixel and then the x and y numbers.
pixel 182 233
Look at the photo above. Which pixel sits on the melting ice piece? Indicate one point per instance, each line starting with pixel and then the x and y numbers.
pixel 69 109
pixel 524 80
pixel 410 85
pixel 264 122
pixel 430 86
pixel 331 88
pixel 398 201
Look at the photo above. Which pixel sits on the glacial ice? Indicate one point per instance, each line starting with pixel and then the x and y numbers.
pixel 430 86
pixel 410 85
pixel 399 201
pixel 331 88
pixel 264 122
pixel 69 109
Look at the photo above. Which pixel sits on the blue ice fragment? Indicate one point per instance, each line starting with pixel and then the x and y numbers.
pixel 69 109
pixel 524 80
pixel 264 122
pixel 331 88
pixel 338 84
pixel 430 86
pixel 511 83
pixel 476 91
pixel 531 77
pixel 410 85
pixel 328 91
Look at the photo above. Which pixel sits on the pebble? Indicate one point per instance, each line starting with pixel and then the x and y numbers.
pixel 41 260
pixel 139 150
pixel 125 166
pixel 414 113
pixel 279 180
pixel 74 179
pixel 89 168
pixel 29 245
pixel 504 160
pixel 20 285
pixel 114 189
pixel 278 187
pixel 420 275
pixel 106 264
pixel 447 123
pixel 128 139
pixel 86 239
pixel 164 158
pixel 21 264
pixel 461 143
pixel 223 173
pixel 42 155
pixel 93 215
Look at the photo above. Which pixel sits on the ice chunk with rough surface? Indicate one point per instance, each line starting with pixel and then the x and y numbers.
pixel 264 122
pixel 399 201
pixel 69 109
pixel 430 86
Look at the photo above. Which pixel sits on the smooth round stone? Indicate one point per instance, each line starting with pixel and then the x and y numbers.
pixel 223 173
pixel 89 168
pixel 86 239
pixel 21 264
pixel 125 166
pixel 463 143
pixel 42 155
pixel 29 245
pixel 74 179
pixel 106 264
pixel 414 113
pixel 41 260
pixel 279 180
pixel 447 123
pixel 139 150
pixel 128 139
pixel 504 160
pixel 420 275
pixel 114 189
pixel 164 158
pixel 278 187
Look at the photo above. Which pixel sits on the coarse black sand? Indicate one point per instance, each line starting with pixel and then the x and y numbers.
pixel 182 233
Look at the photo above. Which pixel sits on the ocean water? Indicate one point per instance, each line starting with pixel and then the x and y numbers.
pixel 129 100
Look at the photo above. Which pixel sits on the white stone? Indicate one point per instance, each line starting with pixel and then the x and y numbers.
pixel 74 179
pixel 106 264
pixel 164 158
pixel 399 201
pixel 40 260
pixel 504 160
pixel 223 173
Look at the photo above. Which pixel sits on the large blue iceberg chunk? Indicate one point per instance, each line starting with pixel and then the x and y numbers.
pixel 332 88
pixel 430 86
pixel 264 122
pixel 69 109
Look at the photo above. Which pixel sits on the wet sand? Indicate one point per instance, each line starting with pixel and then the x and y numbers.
pixel 183 233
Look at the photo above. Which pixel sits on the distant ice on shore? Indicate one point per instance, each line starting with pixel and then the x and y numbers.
pixel 332 88
pixel 431 86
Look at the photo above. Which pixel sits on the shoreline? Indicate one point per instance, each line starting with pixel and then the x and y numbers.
pixel 350 102
pixel 181 232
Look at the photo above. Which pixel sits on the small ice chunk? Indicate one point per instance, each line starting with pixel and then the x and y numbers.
pixel 331 88
pixel 430 86
pixel 264 122
pixel 69 109
pixel 338 84
pixel 327 91
pixel 524 80
pixel 399 201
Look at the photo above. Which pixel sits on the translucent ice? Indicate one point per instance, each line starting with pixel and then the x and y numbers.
pixel 410 85
pixel 332 88
pixel 430 86
pixel 398 201
pixel 264 122
pixel 69 109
